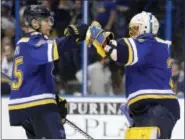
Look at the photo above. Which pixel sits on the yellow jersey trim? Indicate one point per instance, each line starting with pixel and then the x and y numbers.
pixel 130 52
pixel 160 40
pixel 55 51
pixel 31 104
pixel 24 39
pixel 99 48
pixel 142 97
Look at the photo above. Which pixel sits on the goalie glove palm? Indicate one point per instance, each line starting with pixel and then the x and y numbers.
pixel 98 37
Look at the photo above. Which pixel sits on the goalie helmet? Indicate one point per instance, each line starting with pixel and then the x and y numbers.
pixel 143 22
pixel 34 12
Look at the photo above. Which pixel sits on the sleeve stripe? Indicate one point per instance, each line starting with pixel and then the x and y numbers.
pixel 163 41
pixel 130 51
pixel 24 39
pixel 55 51
pixel 134 50
pixel 50 52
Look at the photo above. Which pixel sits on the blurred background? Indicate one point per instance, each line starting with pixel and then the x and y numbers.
pixel 94 77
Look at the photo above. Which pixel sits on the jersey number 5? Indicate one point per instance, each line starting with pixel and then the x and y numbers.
pixel 17 74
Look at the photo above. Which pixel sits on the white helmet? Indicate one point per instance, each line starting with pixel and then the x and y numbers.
pixel 146 22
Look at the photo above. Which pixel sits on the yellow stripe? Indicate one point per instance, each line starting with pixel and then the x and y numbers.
pixel 99 48
pixel 141 97
pixel 75 29
pixel 55 51
pixel 32 104
pixel 130 52
pixel 142 132
pixel 160 40
pixel 24 39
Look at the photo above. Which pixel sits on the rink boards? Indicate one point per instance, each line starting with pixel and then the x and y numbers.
pixel 99 117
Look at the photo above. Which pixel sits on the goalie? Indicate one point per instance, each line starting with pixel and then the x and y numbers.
pixel 152 105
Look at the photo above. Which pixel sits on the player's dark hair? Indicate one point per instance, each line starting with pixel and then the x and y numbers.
pixel 34 12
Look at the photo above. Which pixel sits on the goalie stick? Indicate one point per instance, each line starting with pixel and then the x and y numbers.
pixel 67 121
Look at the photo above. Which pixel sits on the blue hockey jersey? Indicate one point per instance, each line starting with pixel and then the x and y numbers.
pixel 147 71
pixel 33 88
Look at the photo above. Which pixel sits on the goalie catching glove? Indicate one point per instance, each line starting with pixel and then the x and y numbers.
pixel 76 32
pixel 98 37
pixel 62 107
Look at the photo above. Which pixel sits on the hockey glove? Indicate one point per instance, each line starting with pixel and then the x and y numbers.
pixel 76 32
pixel 98 37
pixel 62 108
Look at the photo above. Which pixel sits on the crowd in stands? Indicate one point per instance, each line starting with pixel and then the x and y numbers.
pixel 104 76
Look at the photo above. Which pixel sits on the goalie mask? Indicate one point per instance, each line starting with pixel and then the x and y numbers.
pixel 36 12
pixel 142 23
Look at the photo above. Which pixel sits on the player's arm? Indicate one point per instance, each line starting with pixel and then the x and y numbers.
pixel 73 35
pixel 105 45
pixel 127 52
pixel 43 51
pixel 118 51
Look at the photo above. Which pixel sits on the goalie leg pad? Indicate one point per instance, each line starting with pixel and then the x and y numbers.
pixel 142 133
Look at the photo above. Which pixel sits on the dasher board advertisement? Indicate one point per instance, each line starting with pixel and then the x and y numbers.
pixel 101 118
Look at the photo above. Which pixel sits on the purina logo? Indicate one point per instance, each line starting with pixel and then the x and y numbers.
pixel 95 108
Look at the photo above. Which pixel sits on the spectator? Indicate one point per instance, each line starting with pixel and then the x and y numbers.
pixel 62 16
pixel 180 82
pixel 77 13
pixel 117 74
pixel 7 59
pixel 122 11
pixel 106 14
pixel 7 21
pixel 6 64
pixel 175 74
pixel 99 78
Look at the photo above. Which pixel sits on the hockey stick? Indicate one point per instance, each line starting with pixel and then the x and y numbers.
pixel 67 121
pixel 6 77
pixel 78 129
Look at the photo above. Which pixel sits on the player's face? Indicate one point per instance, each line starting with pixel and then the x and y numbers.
pixel 46 25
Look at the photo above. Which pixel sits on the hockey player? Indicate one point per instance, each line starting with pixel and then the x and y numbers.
pixel 152 104
pixel 33 103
